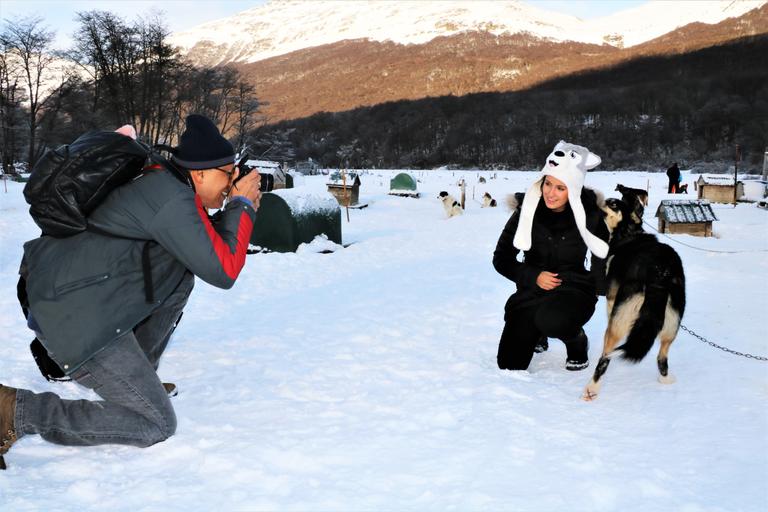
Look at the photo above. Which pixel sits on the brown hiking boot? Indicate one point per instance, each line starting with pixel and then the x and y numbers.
pixel 171 389
pixel 7 413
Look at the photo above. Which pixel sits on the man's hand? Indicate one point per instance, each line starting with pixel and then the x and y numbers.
pixel 248 187
pixel 548 281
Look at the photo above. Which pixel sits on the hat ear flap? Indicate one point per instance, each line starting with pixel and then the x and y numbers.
pixel 522 239
pixel 592 161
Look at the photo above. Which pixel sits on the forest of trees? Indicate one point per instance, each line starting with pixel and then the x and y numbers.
pixel 118 72
pixel 644 114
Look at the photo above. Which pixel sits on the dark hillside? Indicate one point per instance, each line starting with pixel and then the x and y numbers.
pixel 692 108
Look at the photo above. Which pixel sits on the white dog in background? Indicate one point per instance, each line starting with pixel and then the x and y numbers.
pixel 488 201
pixel 450 204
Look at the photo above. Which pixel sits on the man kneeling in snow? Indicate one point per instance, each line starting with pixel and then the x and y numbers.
pixel 89 303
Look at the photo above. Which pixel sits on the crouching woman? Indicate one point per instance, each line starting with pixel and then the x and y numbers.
pixel 554 224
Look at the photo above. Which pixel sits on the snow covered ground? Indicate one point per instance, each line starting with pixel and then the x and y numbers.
pixel 366 380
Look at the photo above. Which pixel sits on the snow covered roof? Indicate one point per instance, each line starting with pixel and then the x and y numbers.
pixel 263 164
pixel 723 180
pixel 302 201
pixel 335 179
pixel 686 211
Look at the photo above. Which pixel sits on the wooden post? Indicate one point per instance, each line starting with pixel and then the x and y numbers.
pixel 765 164
pixel 736 174
pixel 463 193
pixel 346 192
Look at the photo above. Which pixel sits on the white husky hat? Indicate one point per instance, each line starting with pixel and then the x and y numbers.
pixel 568 163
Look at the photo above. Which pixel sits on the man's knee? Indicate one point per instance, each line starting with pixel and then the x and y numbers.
pixel 161 430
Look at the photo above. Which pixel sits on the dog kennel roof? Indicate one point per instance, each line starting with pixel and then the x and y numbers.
pixel 336 179
pixel 686 211
pixel 720 180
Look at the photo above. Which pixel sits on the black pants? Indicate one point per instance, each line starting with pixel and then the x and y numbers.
pixel 672 188
pixel 561 315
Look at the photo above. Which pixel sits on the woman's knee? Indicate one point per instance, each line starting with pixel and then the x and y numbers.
pixel 505 362
pixel 559 327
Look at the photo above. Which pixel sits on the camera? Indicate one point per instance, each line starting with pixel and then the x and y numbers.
pixel 267 180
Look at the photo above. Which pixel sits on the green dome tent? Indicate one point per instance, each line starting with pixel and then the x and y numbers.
pixel 289 217
pixel 403 185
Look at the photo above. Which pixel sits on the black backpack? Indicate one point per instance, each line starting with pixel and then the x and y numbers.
pixel 69 182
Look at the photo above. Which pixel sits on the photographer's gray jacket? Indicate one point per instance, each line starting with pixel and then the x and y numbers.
pixel 86 290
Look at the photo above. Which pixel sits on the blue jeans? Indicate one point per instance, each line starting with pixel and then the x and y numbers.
pixel 135 409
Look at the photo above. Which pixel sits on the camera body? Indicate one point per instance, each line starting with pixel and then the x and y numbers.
pixel 267 180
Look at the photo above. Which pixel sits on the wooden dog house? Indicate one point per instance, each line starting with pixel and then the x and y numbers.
pixel 279 177
pixel 718 188
pixel 688 217
pixel 345 190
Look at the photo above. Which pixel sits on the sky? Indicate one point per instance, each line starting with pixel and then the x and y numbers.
pixel 184 14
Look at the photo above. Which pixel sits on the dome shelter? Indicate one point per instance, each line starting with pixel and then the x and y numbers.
pixel 403 185
pixel 287 218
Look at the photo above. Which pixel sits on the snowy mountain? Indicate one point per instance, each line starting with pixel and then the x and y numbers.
pixel 281 27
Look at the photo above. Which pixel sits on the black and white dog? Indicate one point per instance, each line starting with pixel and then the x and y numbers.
pixel 646 293
pixel 488 201
pixel 628 193
pixel 637 198
pixel 450 204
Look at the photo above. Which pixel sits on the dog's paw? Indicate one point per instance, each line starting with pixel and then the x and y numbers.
pixel 669 379
pixel 590 393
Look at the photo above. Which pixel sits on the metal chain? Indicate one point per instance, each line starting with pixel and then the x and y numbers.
pixel 700 248
pixel 759 358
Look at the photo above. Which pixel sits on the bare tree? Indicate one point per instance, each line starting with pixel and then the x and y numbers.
pixel 246 108
pixel 11 110
pixel 29 42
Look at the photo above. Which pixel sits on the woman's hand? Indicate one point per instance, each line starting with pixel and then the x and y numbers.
pixel 548 281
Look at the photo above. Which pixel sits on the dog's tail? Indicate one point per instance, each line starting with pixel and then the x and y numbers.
pixel 650 320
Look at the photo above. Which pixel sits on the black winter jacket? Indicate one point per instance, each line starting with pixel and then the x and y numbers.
pixel 556 246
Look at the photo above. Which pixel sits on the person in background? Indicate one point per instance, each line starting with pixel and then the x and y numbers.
pixel 673 173
pixel 555 223
pixel 88 302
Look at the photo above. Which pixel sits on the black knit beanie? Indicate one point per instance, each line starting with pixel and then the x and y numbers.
pixel 202 146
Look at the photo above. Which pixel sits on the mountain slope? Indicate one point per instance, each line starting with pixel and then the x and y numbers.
pixel 354 73
pixel 281 27
pixel 692 107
